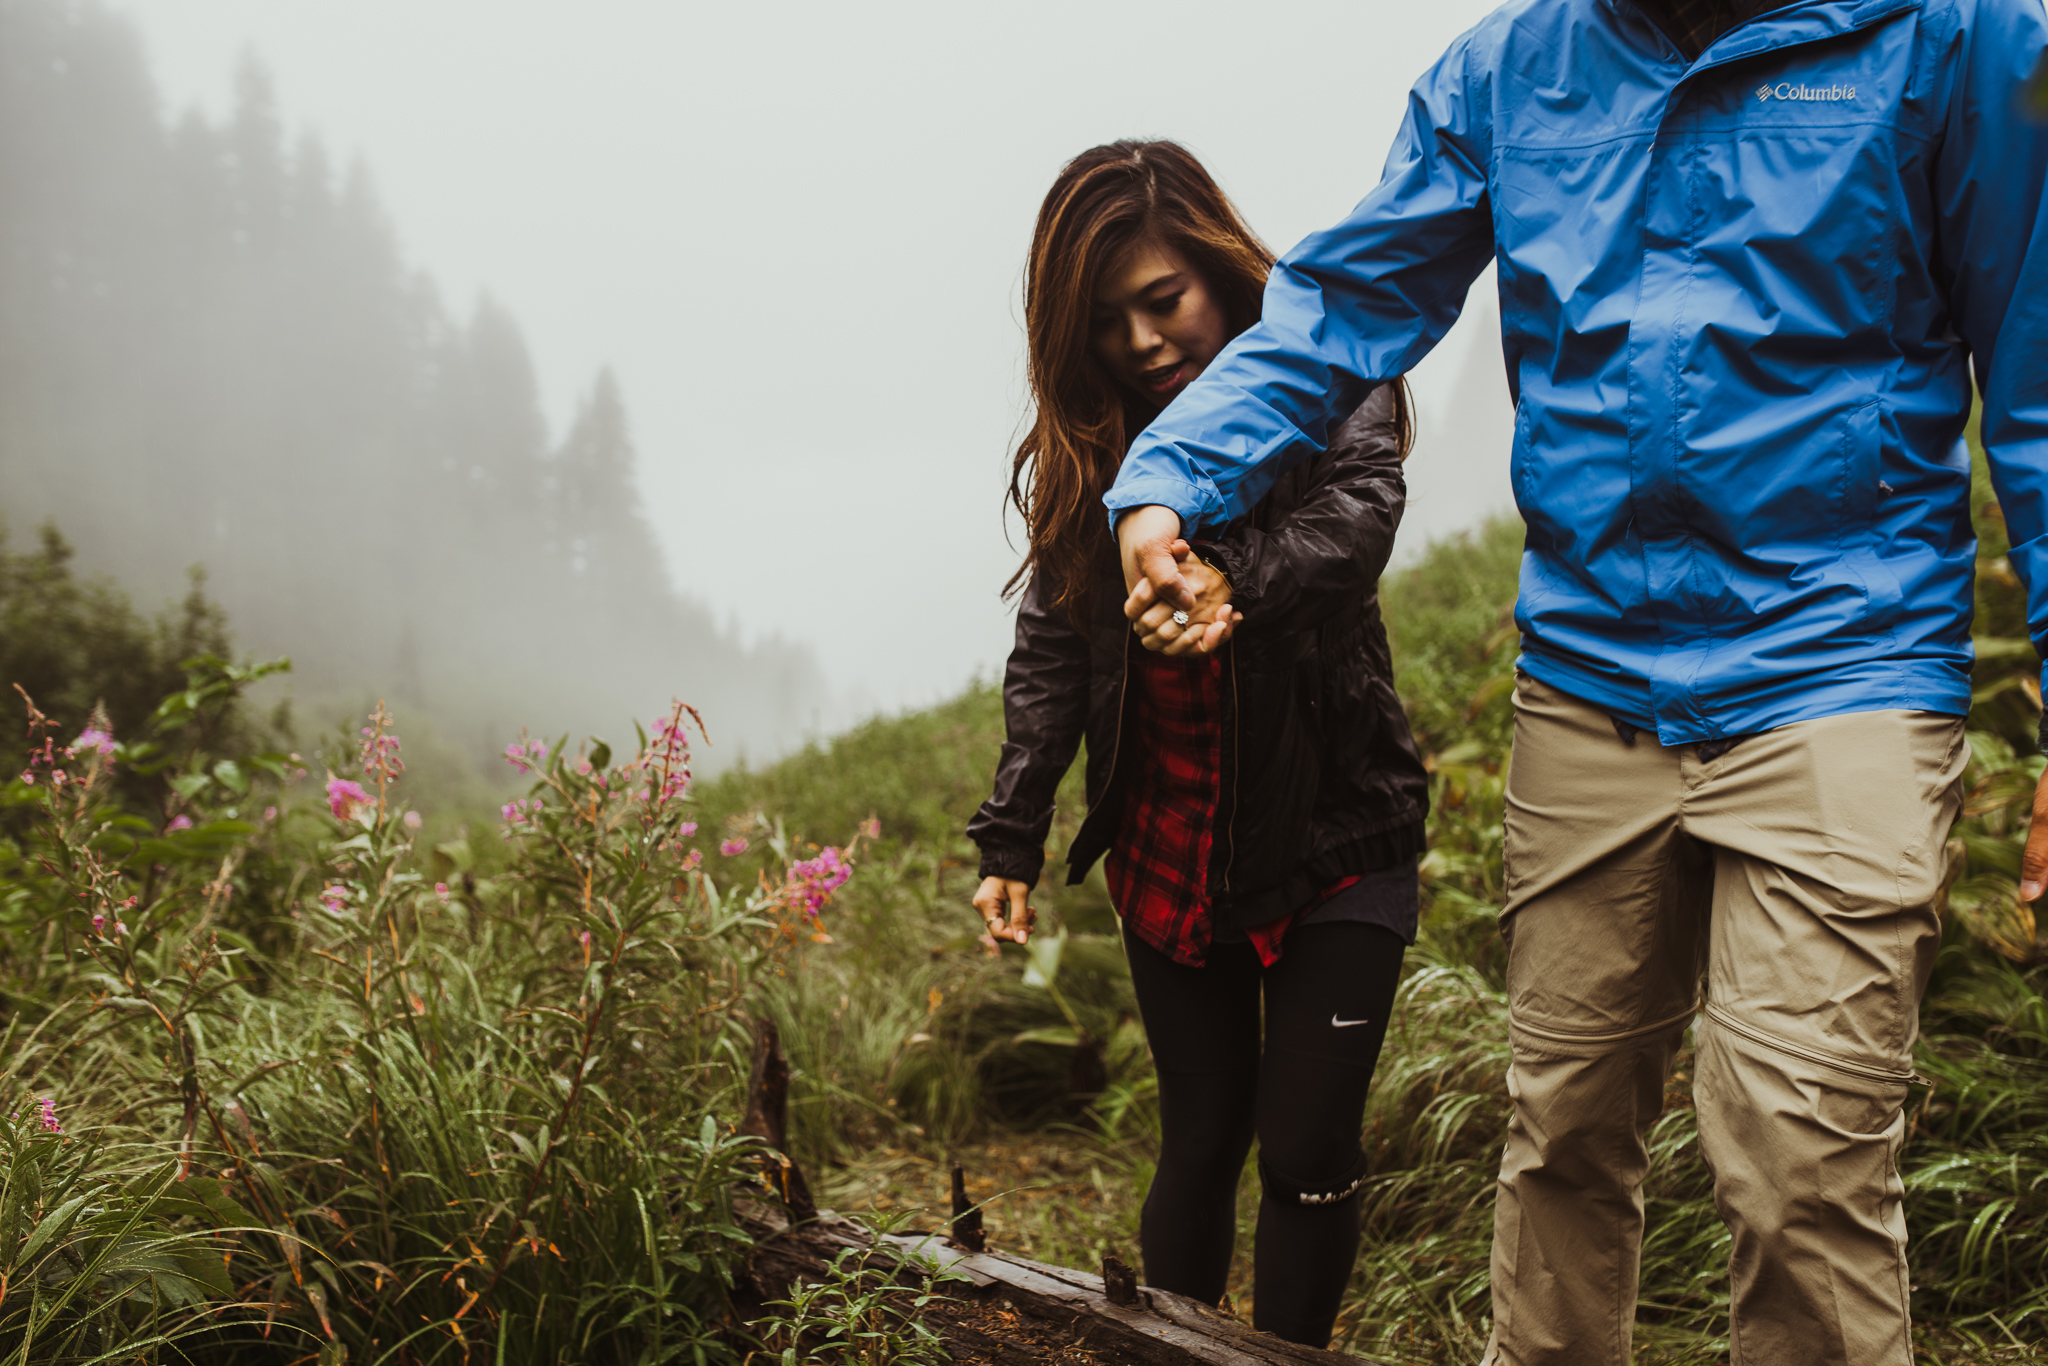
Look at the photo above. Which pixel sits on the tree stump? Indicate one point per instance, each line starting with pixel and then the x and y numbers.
pixel 767 1119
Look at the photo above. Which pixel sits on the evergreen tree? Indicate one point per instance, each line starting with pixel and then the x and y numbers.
pixel 212 352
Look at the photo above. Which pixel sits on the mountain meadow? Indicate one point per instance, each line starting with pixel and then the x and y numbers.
pixel 299 1068
pixel 431 1034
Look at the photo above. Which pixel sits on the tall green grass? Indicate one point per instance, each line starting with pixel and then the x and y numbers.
pixel 337 1086
pixel 353 1099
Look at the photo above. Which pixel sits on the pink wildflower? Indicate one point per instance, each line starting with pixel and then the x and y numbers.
pixel 334 898
pixel 583 938
pixel 813 881
pixel 178 823
pixel 871 829
pixel 526 757
pixel 120 928
pixel 92 740
pixel 686 829
pixel 269 814
pixel 413 820
pixel 441 890
pixel 692 859
pixel 518 813
pixel 734 846
pixel 345 798
pixel 99 924
pixel 668 758
pixel 48 1116
pixel 380 750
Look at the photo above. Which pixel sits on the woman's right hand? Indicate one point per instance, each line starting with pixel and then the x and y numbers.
pixel 1005 910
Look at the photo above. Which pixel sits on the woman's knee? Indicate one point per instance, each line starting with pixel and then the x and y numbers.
pixel 1312 1180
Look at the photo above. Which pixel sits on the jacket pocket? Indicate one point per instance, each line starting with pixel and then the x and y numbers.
pixel 1863 492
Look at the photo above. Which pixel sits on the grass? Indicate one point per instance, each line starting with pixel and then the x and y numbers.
pixel 339 1087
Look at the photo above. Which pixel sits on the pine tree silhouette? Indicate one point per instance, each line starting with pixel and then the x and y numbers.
pixel 213 351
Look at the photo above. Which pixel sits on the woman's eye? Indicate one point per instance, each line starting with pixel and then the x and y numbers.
pixel 1166 304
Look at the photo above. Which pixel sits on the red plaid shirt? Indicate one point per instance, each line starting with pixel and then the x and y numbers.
pixel 1158 866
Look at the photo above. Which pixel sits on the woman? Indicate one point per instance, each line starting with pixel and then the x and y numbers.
pixel 1260 803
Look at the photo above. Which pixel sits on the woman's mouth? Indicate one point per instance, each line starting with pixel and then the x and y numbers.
pixel 1163 379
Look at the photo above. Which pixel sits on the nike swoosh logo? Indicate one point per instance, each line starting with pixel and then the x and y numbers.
pixel 1336 1023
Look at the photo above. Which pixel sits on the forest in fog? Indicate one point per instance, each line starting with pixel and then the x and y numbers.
pixel 213 353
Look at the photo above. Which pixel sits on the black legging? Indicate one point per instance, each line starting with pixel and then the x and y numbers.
pixel 1305 1099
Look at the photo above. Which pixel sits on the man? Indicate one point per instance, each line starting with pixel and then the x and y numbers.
pixel 1748 254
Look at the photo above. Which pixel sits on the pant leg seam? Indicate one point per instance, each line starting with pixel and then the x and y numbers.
pixel 1771 1041
pixel 1562 1036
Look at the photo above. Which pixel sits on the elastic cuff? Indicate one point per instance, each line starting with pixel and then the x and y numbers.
pixel 1189 501
pixel 1292 1192
pixel 1012 865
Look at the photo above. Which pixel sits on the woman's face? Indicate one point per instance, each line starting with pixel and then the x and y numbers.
pixel 1153 324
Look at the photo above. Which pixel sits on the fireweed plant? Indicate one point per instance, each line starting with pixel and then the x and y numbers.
pixel 359 1100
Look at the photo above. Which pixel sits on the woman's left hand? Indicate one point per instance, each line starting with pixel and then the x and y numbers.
pixel 1209 621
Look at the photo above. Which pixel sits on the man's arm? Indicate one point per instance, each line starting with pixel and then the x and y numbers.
pixel 1299 569
pixel 1993 230
pixel 1350 307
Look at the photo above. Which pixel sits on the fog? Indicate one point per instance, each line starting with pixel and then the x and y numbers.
pixel 794 234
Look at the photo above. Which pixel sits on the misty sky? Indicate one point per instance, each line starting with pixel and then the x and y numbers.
pixel 796 233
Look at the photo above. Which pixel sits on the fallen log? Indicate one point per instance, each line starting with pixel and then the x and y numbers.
pixel 1011 1310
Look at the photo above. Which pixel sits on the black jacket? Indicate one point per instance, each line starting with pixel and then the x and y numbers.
pixel 1320 776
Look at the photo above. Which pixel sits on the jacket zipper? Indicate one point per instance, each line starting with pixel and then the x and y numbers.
pixel 1123 687
pixel 1236 768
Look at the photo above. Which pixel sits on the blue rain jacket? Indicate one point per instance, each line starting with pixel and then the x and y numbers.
pixel 1739 301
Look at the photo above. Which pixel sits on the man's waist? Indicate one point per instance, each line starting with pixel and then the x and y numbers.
pixel 1743 695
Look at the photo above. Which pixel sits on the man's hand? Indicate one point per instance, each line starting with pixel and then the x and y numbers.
pixel 1145 538
pixel 2034 862
pixel 1210 620
pixel 1003 908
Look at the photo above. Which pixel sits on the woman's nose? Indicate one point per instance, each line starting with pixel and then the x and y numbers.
pixel 1144 336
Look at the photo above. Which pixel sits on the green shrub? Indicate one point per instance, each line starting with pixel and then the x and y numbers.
pixel 463 1113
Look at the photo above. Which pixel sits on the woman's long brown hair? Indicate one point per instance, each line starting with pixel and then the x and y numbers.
pixel 1105 200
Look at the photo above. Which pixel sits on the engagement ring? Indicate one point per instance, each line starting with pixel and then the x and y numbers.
pixel 1180 618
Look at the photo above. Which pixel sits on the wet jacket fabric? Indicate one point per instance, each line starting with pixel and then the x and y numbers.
pixel 1741 297
pixel 1320 778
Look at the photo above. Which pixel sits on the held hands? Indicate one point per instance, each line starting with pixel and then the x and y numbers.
pixel 1163 577
pixel 1004 909
pixel 2034 862
pixel 1209 622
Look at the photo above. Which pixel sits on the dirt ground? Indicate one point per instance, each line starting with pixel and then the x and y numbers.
pixel 989 1334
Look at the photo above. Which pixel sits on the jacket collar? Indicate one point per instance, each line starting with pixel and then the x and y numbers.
pixel 1769 24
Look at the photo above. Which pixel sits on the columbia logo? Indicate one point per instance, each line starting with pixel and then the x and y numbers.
pixel 1796 90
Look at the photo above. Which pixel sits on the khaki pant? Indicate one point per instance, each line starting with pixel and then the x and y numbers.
pixel 1796 874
